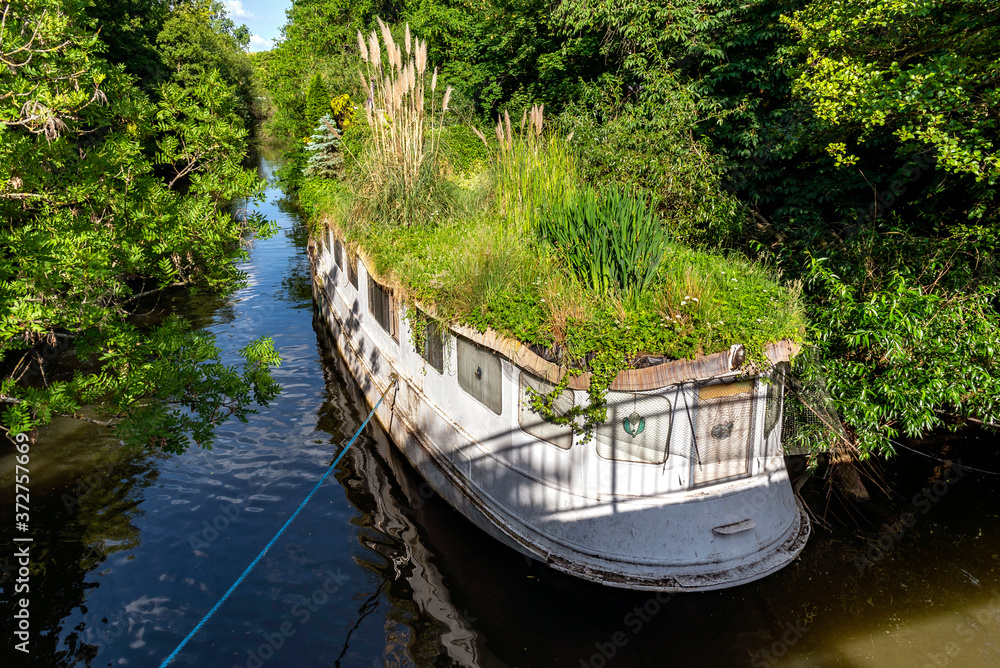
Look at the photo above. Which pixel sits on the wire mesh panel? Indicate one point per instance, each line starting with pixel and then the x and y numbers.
pixel 531 422
pixel 772 405
pixel 810 420
pixel 480 374
pixel 637 430
pixel 723 431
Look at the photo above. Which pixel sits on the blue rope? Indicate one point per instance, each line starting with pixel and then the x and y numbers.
pixel 277 535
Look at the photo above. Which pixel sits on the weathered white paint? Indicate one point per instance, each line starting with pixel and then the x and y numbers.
pixel 627 524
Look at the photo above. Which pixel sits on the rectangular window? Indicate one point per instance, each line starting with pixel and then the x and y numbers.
pixel 531 422
pixel 480 374
pixel 381 306
pixel 723 431
pixel 433 352
pixel 338 253
pixel 637 430
pixel 352 270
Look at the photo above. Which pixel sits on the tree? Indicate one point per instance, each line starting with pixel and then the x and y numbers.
pixel 196 39
pixel 925 72
pixel 129 28
pixel 89 227
pixel 319 37
pixel 326 160
pixel 317 101
pixel 903 290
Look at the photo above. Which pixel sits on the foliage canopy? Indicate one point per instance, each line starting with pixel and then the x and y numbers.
pixel 110 194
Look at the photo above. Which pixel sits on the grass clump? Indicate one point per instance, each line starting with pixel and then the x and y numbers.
pixel 529 170
pixel 610 239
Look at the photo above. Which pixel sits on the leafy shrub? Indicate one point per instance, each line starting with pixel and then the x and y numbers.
pixel 611 240
pixel 342 110
pixel 651 147
pixel 353 139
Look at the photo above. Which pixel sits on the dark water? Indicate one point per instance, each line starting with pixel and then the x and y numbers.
pixel 131 549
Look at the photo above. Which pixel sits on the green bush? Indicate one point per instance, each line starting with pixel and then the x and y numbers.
pixel 353 140
pixel 651 148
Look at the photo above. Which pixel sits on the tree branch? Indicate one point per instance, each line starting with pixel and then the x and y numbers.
pixel 76 416
pixel 176 284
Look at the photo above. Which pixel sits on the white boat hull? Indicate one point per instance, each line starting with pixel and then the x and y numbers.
pixel 665 526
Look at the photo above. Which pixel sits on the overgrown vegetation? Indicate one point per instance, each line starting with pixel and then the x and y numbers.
pixel 852 146
pixel 589 277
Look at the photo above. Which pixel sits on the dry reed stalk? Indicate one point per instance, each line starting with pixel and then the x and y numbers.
pixel 396 108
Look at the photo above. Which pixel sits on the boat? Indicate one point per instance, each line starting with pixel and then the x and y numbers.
pixel 683 488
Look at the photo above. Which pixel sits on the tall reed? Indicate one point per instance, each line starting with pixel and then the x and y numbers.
pixel 403 128
pixel 531 170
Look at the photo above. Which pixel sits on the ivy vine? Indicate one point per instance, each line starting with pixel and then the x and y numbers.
pixel 604 368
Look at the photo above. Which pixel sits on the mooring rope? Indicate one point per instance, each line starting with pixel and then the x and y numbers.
pixel 267 547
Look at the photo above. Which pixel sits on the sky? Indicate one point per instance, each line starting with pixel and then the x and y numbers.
pixel 264 18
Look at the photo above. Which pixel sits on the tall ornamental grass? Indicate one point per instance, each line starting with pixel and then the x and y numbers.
pixel 405 115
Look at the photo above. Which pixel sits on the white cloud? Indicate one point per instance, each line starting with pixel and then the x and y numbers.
pixel 236 11
pixel 258 43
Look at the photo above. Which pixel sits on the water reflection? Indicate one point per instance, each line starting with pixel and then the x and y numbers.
pixel 85 511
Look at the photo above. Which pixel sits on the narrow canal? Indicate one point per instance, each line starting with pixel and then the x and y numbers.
pixel 132 549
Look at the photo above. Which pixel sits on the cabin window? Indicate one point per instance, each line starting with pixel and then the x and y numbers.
pixel 531 422
pixel 775 391
pixel 352 270
pixel 433 352
pixel 723 432
pixel 380 305
pixel 338 253
pixel 480 375
pixel 637 430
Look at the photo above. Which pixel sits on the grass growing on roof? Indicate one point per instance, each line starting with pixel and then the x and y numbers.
pixel 488 274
